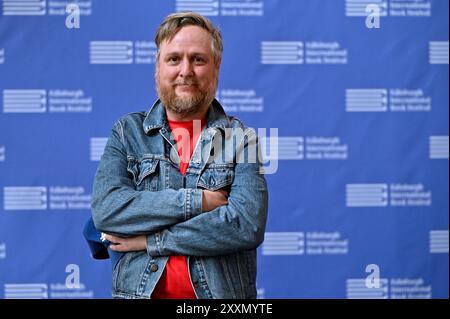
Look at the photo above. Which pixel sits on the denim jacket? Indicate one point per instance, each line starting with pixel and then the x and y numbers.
pixel 139 190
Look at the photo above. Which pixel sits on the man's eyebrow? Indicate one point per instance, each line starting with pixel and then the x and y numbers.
pixel 190 53
pixel 173 53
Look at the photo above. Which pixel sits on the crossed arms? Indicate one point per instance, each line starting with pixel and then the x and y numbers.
pixel 186 221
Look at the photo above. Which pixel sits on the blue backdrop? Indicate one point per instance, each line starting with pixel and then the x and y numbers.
pixel 359 195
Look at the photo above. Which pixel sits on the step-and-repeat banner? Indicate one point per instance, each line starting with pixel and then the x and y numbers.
pixel 356 90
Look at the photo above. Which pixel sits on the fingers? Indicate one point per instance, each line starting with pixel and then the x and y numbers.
pixel 223 192
pixel 119 248
pixel 224 199
pixel 121 244
pixel 113 239
pixel 116 244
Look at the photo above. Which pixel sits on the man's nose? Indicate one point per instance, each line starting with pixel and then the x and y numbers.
pixel 186 68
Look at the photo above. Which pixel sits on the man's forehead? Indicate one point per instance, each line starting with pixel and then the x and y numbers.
pixel 187 36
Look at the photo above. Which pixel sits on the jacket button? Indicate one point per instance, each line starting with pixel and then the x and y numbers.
pixel 154 267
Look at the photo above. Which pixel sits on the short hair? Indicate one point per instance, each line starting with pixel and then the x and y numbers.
pixel 174 22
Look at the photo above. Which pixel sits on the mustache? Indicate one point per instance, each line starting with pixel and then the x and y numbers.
pixel 185 82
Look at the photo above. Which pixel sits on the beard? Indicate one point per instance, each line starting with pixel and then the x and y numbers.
pixel 186 105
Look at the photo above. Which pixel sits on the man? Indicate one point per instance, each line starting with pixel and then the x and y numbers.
pixel 176 191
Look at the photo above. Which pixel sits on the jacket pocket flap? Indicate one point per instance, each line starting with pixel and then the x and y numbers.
pixel 214 178
pixel 141 169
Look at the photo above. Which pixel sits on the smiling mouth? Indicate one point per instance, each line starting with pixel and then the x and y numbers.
pixel 185 83
pixel 186 87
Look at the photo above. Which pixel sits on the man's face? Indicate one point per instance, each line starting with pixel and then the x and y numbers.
pixel 186 75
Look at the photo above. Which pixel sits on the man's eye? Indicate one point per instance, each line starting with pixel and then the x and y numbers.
pixel 199 60
pixel 173 59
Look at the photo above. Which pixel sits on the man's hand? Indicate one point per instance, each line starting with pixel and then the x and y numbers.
pixel 121 244
pixel 212 200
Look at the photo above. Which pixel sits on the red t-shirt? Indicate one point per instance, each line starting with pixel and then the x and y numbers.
pixel 175 282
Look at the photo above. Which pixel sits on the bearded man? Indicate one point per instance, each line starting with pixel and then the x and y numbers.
pixel 174 194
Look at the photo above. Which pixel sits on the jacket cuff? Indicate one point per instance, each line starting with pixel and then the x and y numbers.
pixel 154 245
pixel 193 203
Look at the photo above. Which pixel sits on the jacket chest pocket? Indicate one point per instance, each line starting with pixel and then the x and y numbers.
pixel 144 173
pixel 216 176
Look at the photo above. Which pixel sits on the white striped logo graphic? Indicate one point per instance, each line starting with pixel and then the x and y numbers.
pixel 2 153
pixel 2 56
pixel 204 7
pixel 357 8
pixel 2 250
pixel 26 291
pixel 97 147
pixel 366 100
pixel 23 7
pixel 282 52
pixel 25 198
pixel 284 243
pixel 357 289
pixel 111 52
pixel 439 241
pixel 366 195
pixel 282 148
pixel 24 101
pixel 439 147
pixel 438 52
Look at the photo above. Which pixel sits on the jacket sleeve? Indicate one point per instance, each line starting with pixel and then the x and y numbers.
pixel 238 226
pixel 117 208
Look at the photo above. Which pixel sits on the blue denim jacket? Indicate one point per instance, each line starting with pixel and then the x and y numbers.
pixel 139 190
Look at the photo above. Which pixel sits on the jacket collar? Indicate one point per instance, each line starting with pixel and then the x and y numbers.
pixel 156 117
